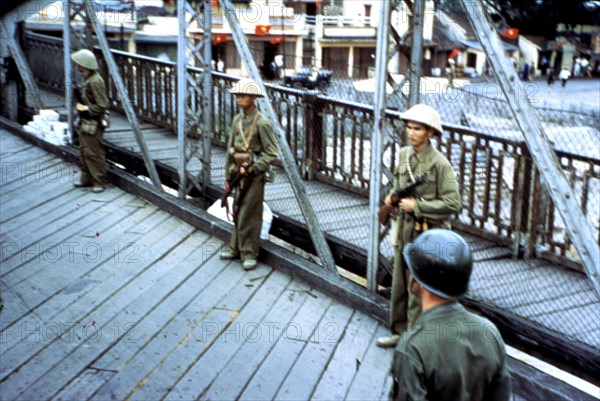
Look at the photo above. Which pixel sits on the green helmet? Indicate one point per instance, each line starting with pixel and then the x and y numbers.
pixel 441 261
pixel 424 114
pixel 85 58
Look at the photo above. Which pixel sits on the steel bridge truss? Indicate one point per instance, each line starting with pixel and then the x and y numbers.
pixel 191 87
pixel 544 156
pixel 86 12
pixel 389 43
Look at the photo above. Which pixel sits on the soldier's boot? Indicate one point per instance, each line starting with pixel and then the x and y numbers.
pixel 228 254
pixel 249 264
pixel 388 342
pixel 82 184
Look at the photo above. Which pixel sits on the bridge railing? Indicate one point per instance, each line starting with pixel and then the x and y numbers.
pixel 330 138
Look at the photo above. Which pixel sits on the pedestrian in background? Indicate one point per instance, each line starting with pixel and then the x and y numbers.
pixel 450 354
pixel 451 72
pixel 564 76
pixel 91 107
pixel 430 206
pixel 251 148
pixel 551 77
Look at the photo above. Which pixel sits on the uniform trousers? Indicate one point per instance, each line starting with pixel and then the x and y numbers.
pixel 249 212
pixel 93 158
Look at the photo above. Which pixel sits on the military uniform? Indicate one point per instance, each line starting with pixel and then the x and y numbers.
pixel 245 239
pixel 436 200
pixel 91 131
pixel 450 354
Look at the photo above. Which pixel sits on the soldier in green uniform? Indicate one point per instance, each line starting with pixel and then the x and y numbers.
pixel 251 148
pixel 91 107
pixel 450 353
pixel 433 203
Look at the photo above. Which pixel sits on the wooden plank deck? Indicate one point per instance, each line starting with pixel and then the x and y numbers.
pixel 508 284
pixel 108 297
pixel 343 214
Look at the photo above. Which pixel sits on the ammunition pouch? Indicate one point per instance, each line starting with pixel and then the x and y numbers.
pixel 242 159
pixel 425 224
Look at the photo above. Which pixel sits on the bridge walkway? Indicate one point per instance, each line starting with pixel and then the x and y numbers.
pixel 106 296
pixel 560 305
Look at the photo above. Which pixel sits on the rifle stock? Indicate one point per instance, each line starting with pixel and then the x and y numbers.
pixel 226 194
pixel 386 210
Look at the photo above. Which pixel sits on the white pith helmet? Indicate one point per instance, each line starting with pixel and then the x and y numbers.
pixel 424 114
pixel 246 86
pixel 85 58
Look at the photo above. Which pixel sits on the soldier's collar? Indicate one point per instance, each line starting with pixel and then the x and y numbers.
pixel 422 154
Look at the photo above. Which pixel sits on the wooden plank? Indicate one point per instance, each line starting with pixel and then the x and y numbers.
pixel 116 353
pixel 57 278
pixel 79 388
pixel 96 280
pixel 560 302
pixel 531 286
pixel 49 211
pixel 369 381
pixel 92 219
pixel 345 362
pixel 210 331
pixel 492 254
pixel 491 282
pixel 562 322
pixel 206 366
pixel 10 145
pixel 16 164
pixel 53 209
pixel 120 314
pixel 267 378
pixel 13 307
pixel 176 323
pixel 16 175
pixel 232 379
pixel 18 351
pixel 306 373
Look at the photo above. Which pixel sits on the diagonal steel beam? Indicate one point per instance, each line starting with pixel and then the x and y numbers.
pixel 114 73
pixel 289 163
pixel 553 178
pixel 24 70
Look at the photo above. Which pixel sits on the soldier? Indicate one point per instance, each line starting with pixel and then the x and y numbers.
pixel 433 203
pixel 251 148
pixel 91 106
pixel 450 353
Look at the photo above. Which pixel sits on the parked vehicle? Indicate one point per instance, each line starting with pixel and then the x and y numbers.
pixel 309 78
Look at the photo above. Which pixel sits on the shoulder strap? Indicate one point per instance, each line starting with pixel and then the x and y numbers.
pixel 409 168
pixel 250 130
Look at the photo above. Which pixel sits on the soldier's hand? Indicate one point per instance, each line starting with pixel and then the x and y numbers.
pixel 246 170
pixel 227 186
pixel 388 200
pixel 83 110
pixel 407 204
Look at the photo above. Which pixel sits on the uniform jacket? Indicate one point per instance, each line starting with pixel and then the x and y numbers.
pixel 94 96
pixel 451 354
pixel 263 142
pixel 437 199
